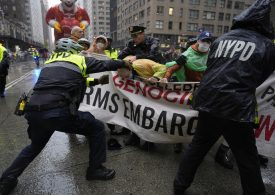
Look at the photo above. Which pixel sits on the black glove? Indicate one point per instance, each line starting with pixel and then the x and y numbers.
pixel 181 60
pixel 104 79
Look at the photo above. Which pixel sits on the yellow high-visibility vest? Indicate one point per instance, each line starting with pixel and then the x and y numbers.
pixel 113 54
pixel 77 60
pixel 2 50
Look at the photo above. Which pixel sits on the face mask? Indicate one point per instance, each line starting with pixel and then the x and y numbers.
pixel 203 47
pixel 100 45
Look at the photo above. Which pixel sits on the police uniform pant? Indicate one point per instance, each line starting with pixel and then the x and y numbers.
pixel 241 139
pixel 2 83
pixel 41 129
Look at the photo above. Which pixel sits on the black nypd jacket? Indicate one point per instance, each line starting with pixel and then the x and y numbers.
pixel 238 62
pixel 148 49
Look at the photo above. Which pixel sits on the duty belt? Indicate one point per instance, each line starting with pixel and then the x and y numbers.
pixel 46 107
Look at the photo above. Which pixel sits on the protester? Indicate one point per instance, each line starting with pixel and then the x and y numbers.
pixel 4 67
pixel 76 33
pixel 190 66
pixel 239 61
pixel 140 47
pixel 53 106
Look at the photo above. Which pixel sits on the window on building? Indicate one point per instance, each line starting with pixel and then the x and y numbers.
pixel 192 27
pixel 229 4
pixel 221 16
pixel 181 12
pixel 210 3
pixel 171 9
pixel 209 15
pixel 180 25
pixel 227 17
pixel 225 29
pixel 208 27
pixel 160 10
pixel 194 2
pixel 148 11
pixel 135 17
pixel 182 1
pixel 141 14
pixel 170 25
pixel 219 29
pixel 148 24
pixel 13 8
pixel 159 24
pixel 222 3
pixel 194 13
pixel 239 5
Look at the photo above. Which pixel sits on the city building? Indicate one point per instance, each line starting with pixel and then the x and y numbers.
pixel 99 12
pixel 174 21
pixel 37 21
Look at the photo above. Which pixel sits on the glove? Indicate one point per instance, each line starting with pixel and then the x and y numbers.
pixel 82 26
pixel 181 60
pixel 124 73
pixel 57 27
pixel 104 79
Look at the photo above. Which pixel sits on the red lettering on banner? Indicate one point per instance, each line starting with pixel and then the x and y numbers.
pixel 118 84
pixel 143 89
pixel 157 94
pixel 264 123
pixel 129 83
pixel 183 97
pixel 165 96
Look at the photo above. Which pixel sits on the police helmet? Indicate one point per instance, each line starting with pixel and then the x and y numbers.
pixel 68 45
pixel 84 41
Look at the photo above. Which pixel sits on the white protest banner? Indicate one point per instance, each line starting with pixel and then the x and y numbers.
pixel 162 114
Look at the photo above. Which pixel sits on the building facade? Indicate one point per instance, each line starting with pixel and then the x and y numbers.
pixel 37 21
pixel 174 21
pixel 99 12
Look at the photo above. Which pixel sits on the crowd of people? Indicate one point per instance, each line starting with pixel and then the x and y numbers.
pixel 229 69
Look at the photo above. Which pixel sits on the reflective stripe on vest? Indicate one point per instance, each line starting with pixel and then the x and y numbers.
pixel 77 60
pixel 2 50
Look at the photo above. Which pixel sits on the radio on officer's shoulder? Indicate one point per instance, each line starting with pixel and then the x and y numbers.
pixel 21 105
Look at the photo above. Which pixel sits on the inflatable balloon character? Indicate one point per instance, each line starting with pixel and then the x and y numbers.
pixel 64 16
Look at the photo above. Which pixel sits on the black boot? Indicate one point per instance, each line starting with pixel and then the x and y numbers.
pixel 7 185
pixel 100 173
pixel 133 140
pixel 147 146
pixel 224 157
pixel 263 160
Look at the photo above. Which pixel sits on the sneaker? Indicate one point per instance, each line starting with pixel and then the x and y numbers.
pixel 133 140
pixel 6 186
pixel 101 173
pixel 224 157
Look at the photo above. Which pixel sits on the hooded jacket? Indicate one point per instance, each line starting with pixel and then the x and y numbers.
pixel 239 61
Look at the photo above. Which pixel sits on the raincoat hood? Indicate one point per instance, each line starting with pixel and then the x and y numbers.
pixel 256 18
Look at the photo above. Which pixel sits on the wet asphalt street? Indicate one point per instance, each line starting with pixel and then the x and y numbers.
pixel 61 166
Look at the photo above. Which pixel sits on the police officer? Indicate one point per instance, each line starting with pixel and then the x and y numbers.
pixel 238 62
pixel 141 46
pixel 54 106
pixel 109 51
pixel 4 66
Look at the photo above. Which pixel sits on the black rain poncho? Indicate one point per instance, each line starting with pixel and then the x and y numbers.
pixel 239 61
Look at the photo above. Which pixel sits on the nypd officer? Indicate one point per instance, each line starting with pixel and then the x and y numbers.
pixel 226 98
pixel 54 106
pixel 141 46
